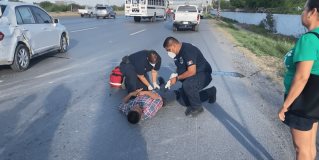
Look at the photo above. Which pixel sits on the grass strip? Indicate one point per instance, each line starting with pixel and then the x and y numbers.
pixel 259 40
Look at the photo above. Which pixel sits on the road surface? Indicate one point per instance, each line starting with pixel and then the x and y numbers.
pixel 63 109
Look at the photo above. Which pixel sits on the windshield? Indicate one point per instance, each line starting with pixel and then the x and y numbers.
pixel 2 8
pixel 101 7
pixel 186 9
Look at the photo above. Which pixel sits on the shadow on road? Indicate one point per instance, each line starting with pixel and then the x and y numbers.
pixel 241 134
pixel 35 139
pixel 9 119
pixel 113 137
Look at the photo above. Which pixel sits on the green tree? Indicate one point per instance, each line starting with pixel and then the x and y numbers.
pixel 118 8
pixel 225 4
pixel 46 5
pixel 238 3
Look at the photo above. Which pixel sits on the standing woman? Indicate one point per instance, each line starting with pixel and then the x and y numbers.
pixel 300 62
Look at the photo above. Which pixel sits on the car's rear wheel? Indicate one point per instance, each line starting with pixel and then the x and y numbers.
pixel 63 44
pixel 137 19
pixel 21 59
pixel 97 17
pixel 195 28
pixel 175 28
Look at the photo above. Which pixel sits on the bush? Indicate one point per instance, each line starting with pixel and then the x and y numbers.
pixel 269 22
pixel 51 7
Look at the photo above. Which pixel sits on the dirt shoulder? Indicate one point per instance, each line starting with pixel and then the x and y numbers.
pixel 63 14
pixel 270 66
pixel 75 14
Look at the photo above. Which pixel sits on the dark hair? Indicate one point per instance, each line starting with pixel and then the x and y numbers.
pixel 152 56
pixel 169 40
pixel 133 117
pixel 312 4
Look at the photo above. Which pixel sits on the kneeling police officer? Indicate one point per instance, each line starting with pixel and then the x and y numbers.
pixel 193 71
pixel 135 68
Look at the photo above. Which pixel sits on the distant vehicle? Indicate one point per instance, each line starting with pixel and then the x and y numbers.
pixel 105 12
pixel 186 17
pixel 87 11
pixel 27 31
pixel 145 9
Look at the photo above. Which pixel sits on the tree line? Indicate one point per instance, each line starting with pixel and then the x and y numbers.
pixel 52 7
pixel 271 5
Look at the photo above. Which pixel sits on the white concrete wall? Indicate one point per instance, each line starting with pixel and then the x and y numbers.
pixel 285 24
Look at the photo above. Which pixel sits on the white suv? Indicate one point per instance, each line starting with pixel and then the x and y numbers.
pixel 27 31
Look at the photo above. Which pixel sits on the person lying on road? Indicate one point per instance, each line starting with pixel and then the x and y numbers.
pixel 144 106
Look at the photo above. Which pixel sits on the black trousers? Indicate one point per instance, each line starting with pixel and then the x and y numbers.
pixel 192 93
pixel 132 83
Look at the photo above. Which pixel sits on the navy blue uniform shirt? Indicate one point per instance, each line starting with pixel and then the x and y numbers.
pixel 190 55
pixel 141 64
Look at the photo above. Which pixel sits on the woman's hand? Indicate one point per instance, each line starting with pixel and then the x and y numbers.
pixel 281 113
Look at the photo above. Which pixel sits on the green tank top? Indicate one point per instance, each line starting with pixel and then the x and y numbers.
pixel 306 49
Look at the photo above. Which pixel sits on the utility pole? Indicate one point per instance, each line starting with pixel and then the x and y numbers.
pixel 206 6
pixel 218 10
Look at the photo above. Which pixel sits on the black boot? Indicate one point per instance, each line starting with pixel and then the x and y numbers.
pixel 193 112
pixel 212 94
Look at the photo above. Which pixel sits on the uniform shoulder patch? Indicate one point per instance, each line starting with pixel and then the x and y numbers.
pixel 190 62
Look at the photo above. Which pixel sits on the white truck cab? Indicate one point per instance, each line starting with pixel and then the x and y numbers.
pixel 186 17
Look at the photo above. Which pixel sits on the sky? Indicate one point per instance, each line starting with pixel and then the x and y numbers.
pixel 87 2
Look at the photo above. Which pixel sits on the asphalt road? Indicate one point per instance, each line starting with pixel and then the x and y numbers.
pixel 63 109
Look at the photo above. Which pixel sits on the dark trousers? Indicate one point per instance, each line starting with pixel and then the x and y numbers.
pixel 192 93
pixel 132 83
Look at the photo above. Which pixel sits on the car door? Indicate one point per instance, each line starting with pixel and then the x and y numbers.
pixel 51 36
pixel 29 29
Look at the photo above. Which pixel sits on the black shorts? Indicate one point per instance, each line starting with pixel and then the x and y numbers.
pixel 298 122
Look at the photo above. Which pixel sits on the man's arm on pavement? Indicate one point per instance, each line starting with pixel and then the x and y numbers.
pixel 151 94
pixel 127 97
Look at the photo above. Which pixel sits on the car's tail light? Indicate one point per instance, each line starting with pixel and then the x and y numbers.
pixel 1 36
pixel 174 17
pixel 198 17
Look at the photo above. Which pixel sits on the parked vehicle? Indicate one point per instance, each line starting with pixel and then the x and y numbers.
pixel 87 11
pixel 27 31
pixel 186 17
pixel 145 9
pixel 105 12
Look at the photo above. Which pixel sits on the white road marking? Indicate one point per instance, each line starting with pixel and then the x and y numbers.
pixel 53 72
pixel 132 34
pixel 80 30
pixel 1 81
